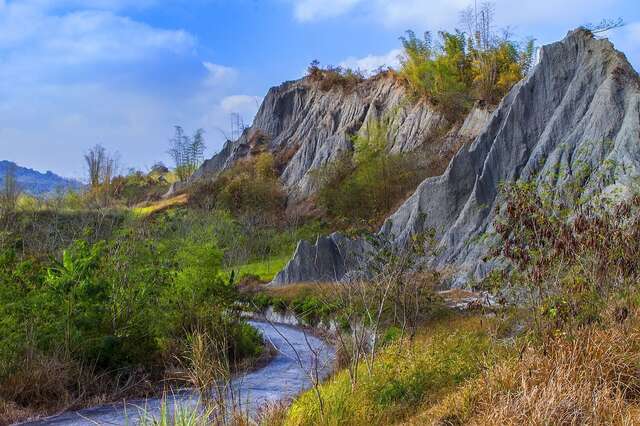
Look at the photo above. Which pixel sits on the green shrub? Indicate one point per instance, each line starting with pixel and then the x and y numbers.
pixel 459 70
pixel 358 190
pixel 250 190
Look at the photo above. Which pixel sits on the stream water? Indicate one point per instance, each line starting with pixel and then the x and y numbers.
pixel 281 379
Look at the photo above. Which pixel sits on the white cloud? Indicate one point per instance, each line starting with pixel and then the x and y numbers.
pixel 241 104
pixel 29 34
pixel 218 75
pixel 75 73
pixel 371 63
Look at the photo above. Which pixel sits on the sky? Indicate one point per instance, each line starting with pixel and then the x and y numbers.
pixel 123 73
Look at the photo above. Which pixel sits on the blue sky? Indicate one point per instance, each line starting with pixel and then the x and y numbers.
pixel 122 73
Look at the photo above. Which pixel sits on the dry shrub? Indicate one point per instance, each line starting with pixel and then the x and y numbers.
pixel 591 377
pixel 44 385
pixel 272 414
pixel 330 77
pixel 11 413
pixel 39 381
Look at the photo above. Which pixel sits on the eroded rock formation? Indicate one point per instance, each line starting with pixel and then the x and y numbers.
pixel 306 126
pixel 576 116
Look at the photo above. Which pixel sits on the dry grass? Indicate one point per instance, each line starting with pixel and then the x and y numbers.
pixel 326 291
pixel 46 385
pixel 162 205
pixel 272 414
pixel 11 413
pixel 589 378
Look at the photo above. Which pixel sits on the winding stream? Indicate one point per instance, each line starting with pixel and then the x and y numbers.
pixel 281 379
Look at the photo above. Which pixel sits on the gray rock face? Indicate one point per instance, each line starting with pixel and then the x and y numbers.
pixel 328 260
pixel 577 115
pixel 309 127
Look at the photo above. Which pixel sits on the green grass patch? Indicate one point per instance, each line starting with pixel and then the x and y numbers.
pixel 266 269
pixel 406 374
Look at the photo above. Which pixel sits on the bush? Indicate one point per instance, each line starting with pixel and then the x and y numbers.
pixel 330 77
pixel 571 259
pixel 113 309
pixel 250 190
pixel 459 71
pixel 358 190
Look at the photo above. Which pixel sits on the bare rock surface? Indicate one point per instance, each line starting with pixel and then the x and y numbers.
pixel 306 126
pixel 575 117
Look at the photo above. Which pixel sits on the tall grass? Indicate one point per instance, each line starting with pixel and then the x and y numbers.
pixel 405 374
pixel 591 377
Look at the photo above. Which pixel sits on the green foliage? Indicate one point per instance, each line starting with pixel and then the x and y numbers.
pixel 458 70
pixel 187 152
pixel 248 250
pixel 265 269
pixel 250 190
pixel 137 187
pixel 119 303
pixel 358 190
pixel 572 259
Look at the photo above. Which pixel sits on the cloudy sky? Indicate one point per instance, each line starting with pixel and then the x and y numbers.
pixel 122 73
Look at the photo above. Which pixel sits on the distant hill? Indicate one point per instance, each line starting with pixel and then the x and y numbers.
pixel 36 183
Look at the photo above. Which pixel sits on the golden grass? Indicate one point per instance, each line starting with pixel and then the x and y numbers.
pixel 325 291
pixel 591 377
pixel 161 206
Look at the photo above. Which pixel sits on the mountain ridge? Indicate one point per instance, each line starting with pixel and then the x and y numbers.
pixel 37 183
pixel 306 125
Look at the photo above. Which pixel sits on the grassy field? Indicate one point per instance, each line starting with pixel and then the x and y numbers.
pixel 160 206
pixel 406 375
pixel 264 269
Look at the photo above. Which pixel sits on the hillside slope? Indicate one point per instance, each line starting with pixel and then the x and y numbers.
pixel 306 124
pixel 574 121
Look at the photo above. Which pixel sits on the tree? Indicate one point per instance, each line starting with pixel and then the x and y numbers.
pixel 10 191
pixel 101 167
pixel 187 152
pixel 479 64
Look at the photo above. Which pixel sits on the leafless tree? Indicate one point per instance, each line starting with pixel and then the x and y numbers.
pixel 10 191
pixel 398 292
pixel 187 152
pixel 101 168
pixel 604 25
pixel 477 21
pixel 95 160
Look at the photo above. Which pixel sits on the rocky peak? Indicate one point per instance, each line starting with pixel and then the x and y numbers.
pixel 306 124
pixel 579 110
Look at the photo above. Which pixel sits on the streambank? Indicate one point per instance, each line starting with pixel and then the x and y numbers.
pixel 281 379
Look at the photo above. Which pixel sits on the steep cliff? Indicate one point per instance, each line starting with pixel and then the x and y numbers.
pixel 306 125
pixel 575 117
